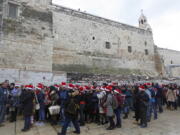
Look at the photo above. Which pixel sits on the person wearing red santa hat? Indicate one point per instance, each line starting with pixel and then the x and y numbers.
pixel 14 101
pixel 56 86
pixel 93 104
pixel 143 106
pixel 71 86
pixel 102 110
pixel 27 97
pixel 120 99
pixel 82 101
pixel 71 110
pixel 40 99
pixel 109 105
pixel 63 85
pixel 63 97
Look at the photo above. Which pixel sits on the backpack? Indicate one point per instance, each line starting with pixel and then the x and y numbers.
pixel 72 107
pixel 114 102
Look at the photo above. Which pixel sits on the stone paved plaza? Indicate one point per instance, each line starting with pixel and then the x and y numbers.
pixel 167 124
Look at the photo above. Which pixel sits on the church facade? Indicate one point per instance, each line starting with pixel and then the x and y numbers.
pixel 40 41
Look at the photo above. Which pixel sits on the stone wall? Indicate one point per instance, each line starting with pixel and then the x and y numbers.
pixel 46 38
pixel 159 63
pixel 26 41
pixel 25 77
pixel 41 4
pixel 171 57
pixel 81 39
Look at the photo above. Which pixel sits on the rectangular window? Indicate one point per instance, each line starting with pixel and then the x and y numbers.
pixel 108 45
pixel 129 49
pixel 13 10
pixel 145 43
pixel 1 5
pixel 146 52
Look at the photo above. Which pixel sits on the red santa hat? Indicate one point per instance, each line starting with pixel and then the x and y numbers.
pixel 81 89
pixel 63 84
pixel 108 88
pixel 93 87
pixel 141 88
pixel 118 91
pixel 56 86
pixel 29 87
pixel 26 86
pixel 77 86
pixel 148 84
pixel 87 88
pixel 71 86
pixel 40 86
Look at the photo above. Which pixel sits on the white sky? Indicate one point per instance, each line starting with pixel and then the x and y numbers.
pixel 162 15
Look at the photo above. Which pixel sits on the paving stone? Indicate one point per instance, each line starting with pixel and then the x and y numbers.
pixel 167 124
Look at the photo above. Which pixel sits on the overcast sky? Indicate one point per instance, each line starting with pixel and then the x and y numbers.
pixel 162 15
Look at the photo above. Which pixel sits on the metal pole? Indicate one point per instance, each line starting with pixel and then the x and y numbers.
pixel 15 127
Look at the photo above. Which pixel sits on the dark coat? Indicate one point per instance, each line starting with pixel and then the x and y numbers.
pixel 27 102
pixel 159 93
pixel 143 100
pixel 3 96
pixel 67 103
pixel 41 99
pixel 89 105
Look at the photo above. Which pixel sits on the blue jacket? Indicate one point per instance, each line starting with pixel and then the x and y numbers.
pixel 15 97
pixel 152 93
pixel 41 99
pixel 3 96
pixel 63 97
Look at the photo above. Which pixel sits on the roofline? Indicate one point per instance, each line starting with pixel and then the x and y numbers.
pixel 160 48
pixel 88 15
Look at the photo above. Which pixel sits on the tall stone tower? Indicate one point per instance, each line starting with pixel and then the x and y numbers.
pixel 143 23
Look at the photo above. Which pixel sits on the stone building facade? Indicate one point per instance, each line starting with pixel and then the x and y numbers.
pixel 171 58
pixel 26 41
pixel 38 38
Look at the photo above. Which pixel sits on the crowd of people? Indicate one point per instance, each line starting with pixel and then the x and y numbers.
pixel 67 103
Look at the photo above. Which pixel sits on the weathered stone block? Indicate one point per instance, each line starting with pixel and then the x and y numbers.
pixel 30 13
